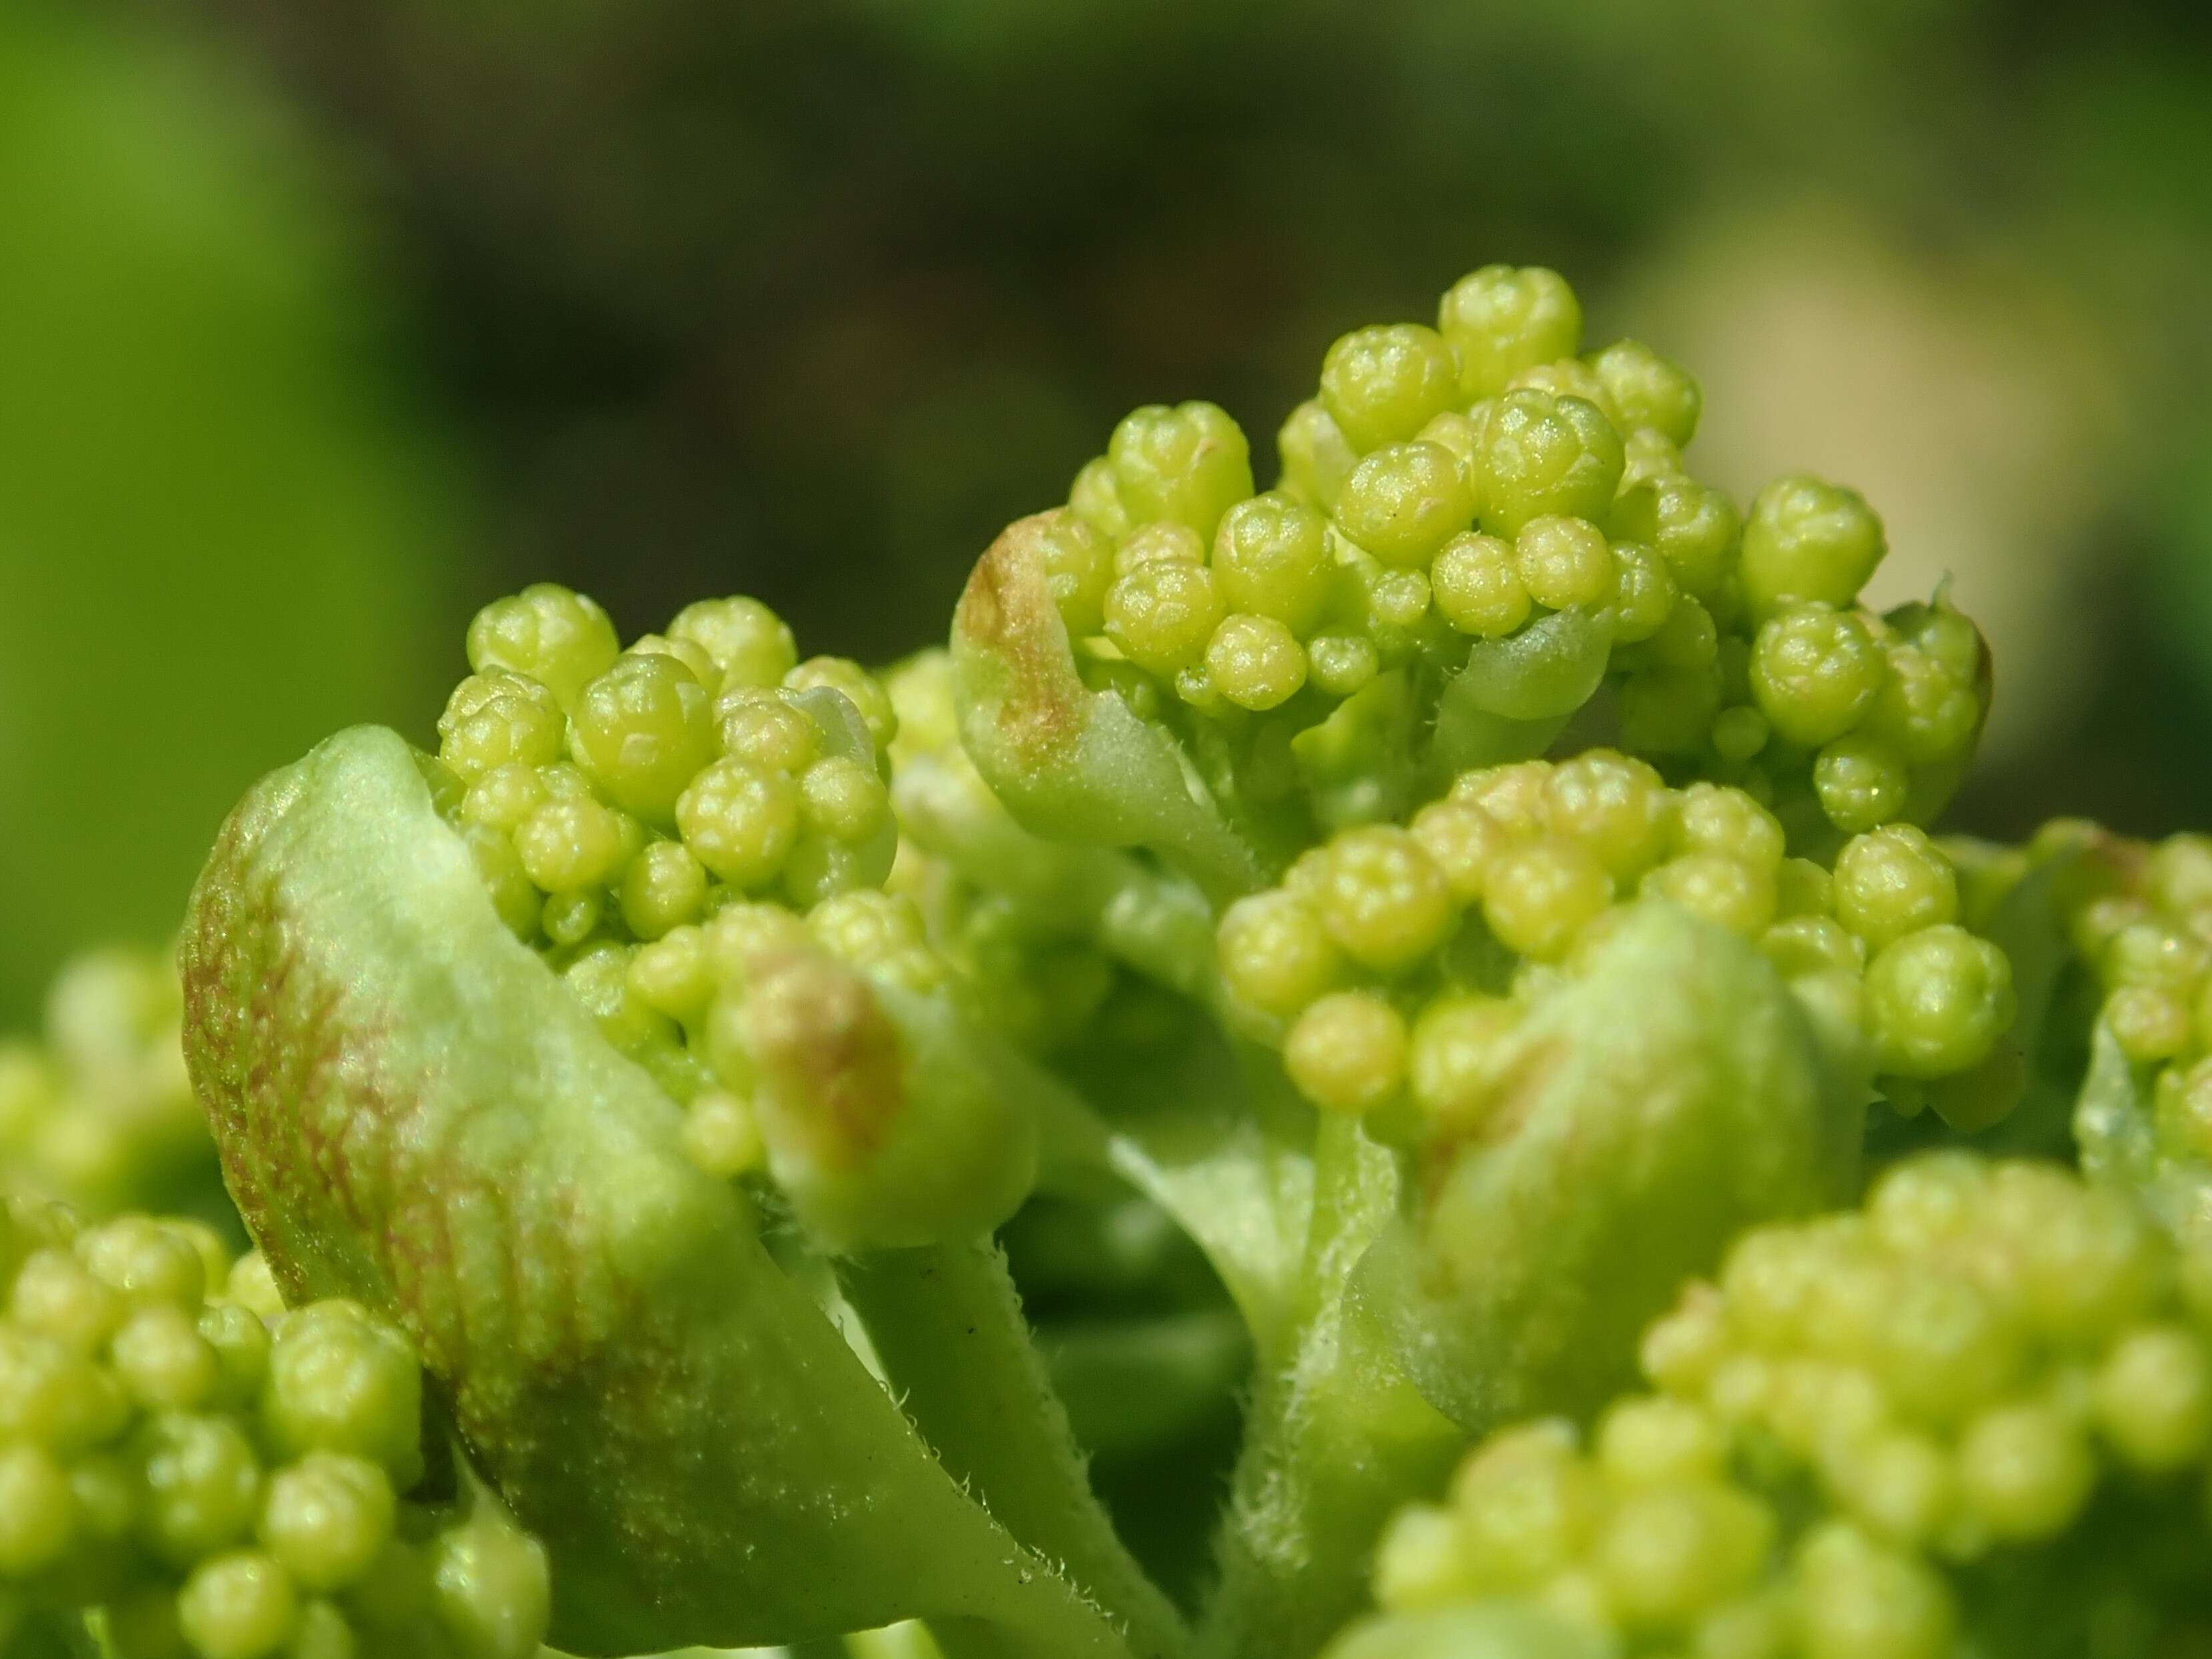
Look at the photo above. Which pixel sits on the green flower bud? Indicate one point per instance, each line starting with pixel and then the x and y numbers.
pixel 1860 781
pixel 38 1511
pixel 1255 662
pixel 1815 672
pixel 1647 392
pixel 1501 320
pixel 1095 499
pixel 1188 464
pixel 1807 541
pixel 745 640
pixel 1644 592
pixel 1538 455
pixel 1382 385
pixel 1938 999
pixel 739 821
pixel 642 730
pixel 1540 894
pixel 498 719
pixel 1163 614
pixel 241 1606
pixel 326 1518
pixel 1694 527
pixel 1477 584
pixel 1564 562
pixel 1404 501
pixel 1347 1053
pixel 203 1485
pixel 560 639
pixel 491 1592
pixel 862 692
pixel 1892 882
pixel 1316 456
pixel 1078 563
pixel 1271 558
pixel 341 1381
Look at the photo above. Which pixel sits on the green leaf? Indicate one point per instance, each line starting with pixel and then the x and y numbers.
pixel 1070 762
pixel 412 1111
pixel 1670 1095
pixel 1514 695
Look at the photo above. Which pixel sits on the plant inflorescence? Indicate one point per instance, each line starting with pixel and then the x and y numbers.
pixel 1419 1009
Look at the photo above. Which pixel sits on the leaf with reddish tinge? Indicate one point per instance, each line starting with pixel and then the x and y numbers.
pixel 412 1111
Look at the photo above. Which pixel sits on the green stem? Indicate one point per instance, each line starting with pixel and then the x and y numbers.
pixel 1223 1152
pixel 1336 1438
pixel 1142 915
pixel 947 1326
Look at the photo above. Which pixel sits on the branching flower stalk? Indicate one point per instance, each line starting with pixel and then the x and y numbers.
pixel 1412 949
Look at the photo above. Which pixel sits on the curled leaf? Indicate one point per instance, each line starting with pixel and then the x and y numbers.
pixel 1069 761
pixel 1514 695
pixel 884 1125
pixel 1671 1093
pixel 412 1111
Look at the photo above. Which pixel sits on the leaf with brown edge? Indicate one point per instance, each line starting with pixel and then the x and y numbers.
pixel 413 1112
pixel 1068 762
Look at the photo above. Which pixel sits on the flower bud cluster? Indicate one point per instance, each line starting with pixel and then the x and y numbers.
pixel 1391 960
pixel 1863 1414
pixel 2147 937
pixel 100 1115
pixel 683 1006
pixel 1030 976
pixel 1457 485
pixel 205 1473
pixel 614 793
pixel 695 832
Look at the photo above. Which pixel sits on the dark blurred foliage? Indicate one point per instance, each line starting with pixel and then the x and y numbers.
pixel 807 297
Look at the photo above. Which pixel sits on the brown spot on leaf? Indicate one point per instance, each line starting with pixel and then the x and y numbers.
pixel 831 1058
pixel 1007 612
pixel 1511 1099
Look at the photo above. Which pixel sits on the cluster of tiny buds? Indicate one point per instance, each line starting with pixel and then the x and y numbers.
pixel 2148 941
pixel 683 1006
pixel 198 1472
pixel 1034 979
pixel 1459 483
pixel 613 792
pixel 1957 1370
pixel 100 1116
pixel 1373 963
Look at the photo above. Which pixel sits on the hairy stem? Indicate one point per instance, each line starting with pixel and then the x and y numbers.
pixel 1336 1438
pixel 947 1326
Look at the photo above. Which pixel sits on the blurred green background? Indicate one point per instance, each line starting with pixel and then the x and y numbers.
pixel 320 326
